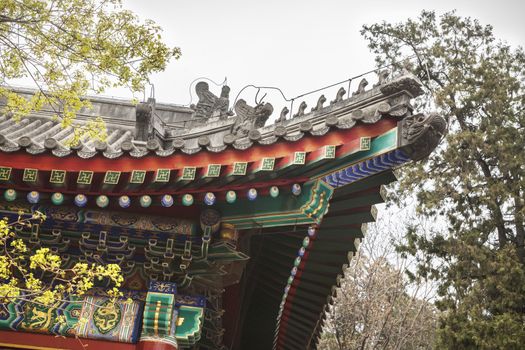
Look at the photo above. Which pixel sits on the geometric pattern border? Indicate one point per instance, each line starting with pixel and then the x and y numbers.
pixel 162 175
pixel 85 177
pixel 366 168
pixel 214 170
pixel 239 168
pixel 268 164
pixel 364 143
pixel 329 152
pixel 299 158
pixel 138 176
pixel 30 175
pixel 188 173
pixel 57 176
pixel 111 177
pixel 5 173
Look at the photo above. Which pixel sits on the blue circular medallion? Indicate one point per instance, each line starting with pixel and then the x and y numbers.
pixel 252 194
pixel 166 200
pixel 296 189
pixel 124 201
pixel 80 200
pixel 209 198
pixel 294 271
pixel 33 197
pixel 301 252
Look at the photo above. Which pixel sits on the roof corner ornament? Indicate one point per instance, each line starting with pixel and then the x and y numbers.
pixel 282 117
pixel 320 102
pixel 408 83
pixel 361 88
pixel 210 105
pixel 420 134
pixel 144 120
pixel 302 108
pixel 250 118
pixel 339 96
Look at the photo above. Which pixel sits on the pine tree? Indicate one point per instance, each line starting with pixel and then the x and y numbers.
pixel 474 182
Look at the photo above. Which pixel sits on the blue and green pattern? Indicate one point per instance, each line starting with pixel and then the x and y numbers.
pixel 366 168
pixel 109 321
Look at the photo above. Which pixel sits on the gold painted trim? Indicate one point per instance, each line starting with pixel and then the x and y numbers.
pixel 156 320
pixel 20 346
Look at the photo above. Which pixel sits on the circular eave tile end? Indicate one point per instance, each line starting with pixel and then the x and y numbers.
pixel 254 135
pixel 305 126
pixel 203 141
pixel 100 146
pixel 357 114
pixel 126 146
pixel 178 143
pixel 280 131
pixel 229 139
pixel 332 121
pixel 152 145
pixel 50 143
pixel 383 108
pixel 24 142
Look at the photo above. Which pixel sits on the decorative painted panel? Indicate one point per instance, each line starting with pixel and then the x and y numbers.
pixel 299 158
pixel 85 177
pixel 214 170
pixel 57 176
pixel 162 175
pixel 188 173
pixel 366 168
pixel 137 176
pixel 329 152
pixel 239 168
pixel 115 322
pixel 30 175
pixel 364 143
pixel 268 164
pixel 5 173
pixel 111 177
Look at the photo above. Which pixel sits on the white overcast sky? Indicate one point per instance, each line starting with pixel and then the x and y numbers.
pixel 297 45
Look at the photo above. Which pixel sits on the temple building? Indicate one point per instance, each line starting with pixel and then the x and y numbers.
pixel 232 231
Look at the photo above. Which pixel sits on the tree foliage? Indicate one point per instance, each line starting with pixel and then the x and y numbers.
pixel 377 307
pixel 72 47
pixel 475 180
pixel 37 275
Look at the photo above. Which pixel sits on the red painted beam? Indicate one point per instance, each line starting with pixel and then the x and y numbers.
pixel 127 163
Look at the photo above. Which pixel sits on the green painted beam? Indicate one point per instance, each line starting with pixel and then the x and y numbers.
pixel 379 145
pixel 306 208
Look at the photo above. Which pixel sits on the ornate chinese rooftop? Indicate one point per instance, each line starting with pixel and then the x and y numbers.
pixel 258 218
pixel 152 128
